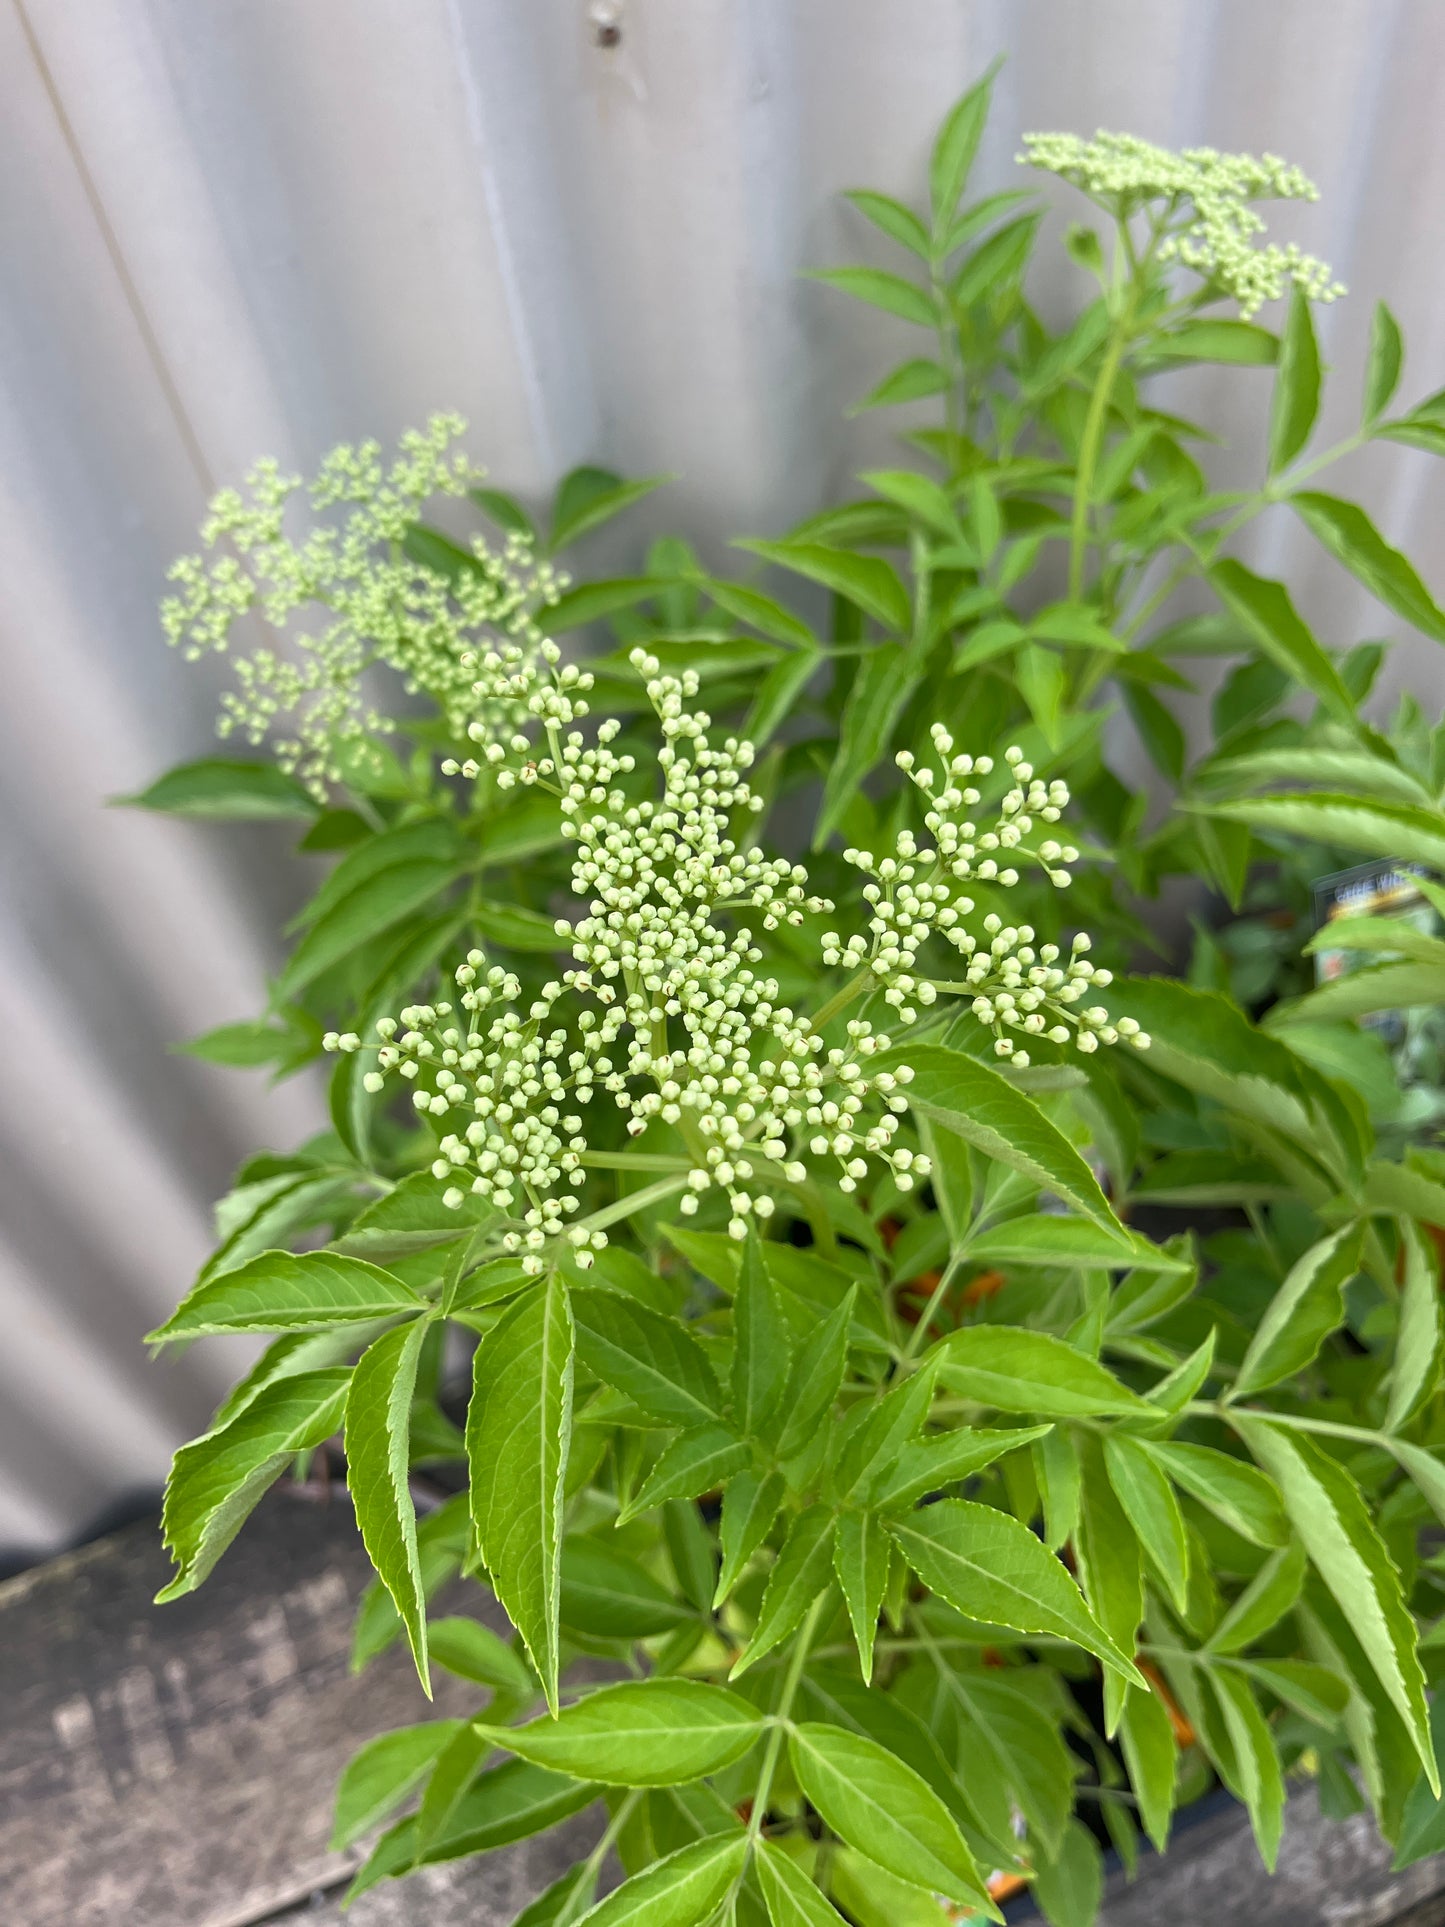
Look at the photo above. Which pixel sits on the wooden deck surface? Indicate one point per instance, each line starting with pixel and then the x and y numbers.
pixel 174 1766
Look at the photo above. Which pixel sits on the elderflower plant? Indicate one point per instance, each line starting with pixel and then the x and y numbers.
pixel 344 596
pixel 664 1010
pixel 1203 204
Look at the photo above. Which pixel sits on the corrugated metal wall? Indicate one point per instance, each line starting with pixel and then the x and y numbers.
pixel 252 226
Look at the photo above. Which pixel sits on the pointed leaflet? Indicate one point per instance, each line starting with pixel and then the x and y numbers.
pixel 378 1438
pixel 866 580
pixel 383 1773
pixel 1264 1602
pixel 1110 1567
pixel 928 1465
pixel 860 1558
pixel 1296 386
pixel 217 1478
pixel 281 1291
pixel 588 497
pixel 1401 831
pixel 879 289
pixel 875 1431
pixel 1148 1499
pixel 817 1373
pixel 1352 538
pixel 1058 1240
pixel 697 1462
pixel 884 1809
pixel 989 1567
pixel 1308 1306
pixel 473 1651
pixel 954 150
pixel 885 680
pixel 568 1897
pixel 453 1775
pixel 1016 1733
pixel 1417 1344
pixel 652 1359
pixel 608 1595
pixel 1333 1522
pixel 1056 1470
pixel 1234 1491
pixel 1259 1781
pixel 791 1898
pixel 1147 1739
pixel 761 1352
pixel 750 1505
pixel 804 1567
pixel 681 1891
pixel 1382 370
pixel 519 1426
pixel 1265 609
pixel 224 790
pixel 966 1097
pixel 1015 1370
pixel 649 1732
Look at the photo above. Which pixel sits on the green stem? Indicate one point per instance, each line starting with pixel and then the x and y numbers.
pixel 1094 425
pixel 840 999
pixel 1212 1408
pixel 784 1707
pixel 598 1854
pixel 634 1201
pixel 920 1331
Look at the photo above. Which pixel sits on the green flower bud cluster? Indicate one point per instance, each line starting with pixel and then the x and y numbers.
pixel 373 603
pixel 664 1009
pixel 1209 224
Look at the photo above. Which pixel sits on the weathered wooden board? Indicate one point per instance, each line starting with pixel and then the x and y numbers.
pixel 173 1766
pixel 1331 1874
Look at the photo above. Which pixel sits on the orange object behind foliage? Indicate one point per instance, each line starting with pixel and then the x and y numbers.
pixel 915 1293
pixel 1183 1731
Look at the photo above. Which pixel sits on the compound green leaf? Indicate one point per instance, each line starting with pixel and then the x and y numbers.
pixel 1296 387
pixel 647 1732
pixel 816 1376
pixel 977 1104
pixel 885 681
pixel 762 1353
pixel 1233 1490
pixel 383 1773
pixel 883 290
pixel 1417 1344
pixel 1308 1306
pixel 1400 831
pixel 790 1897
pixel 866 580
pixel 681 1891
pixel 224 790
pixel 861 1551
pixel 1256 1760
pixel 697 1462
pixel 608 1595
pixel 954 149
pixel 1147 1739
pixel 1331 1518
pixel 1110 1564
pixel 519 1426
pixel 750 1505
pixel 217 1478
pixel 989 1567
pixel 1382 369
pixel 804 1567
pixel 884 1809
pixel 1266 611
pixel 928 1465
pixel 1015 1370
pixel 378 1427
pixel 473 1651
pixel 654 1360
pixel 1264 1602
pixel 281 1291
pixel 1352 538
pixel 1143 1490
